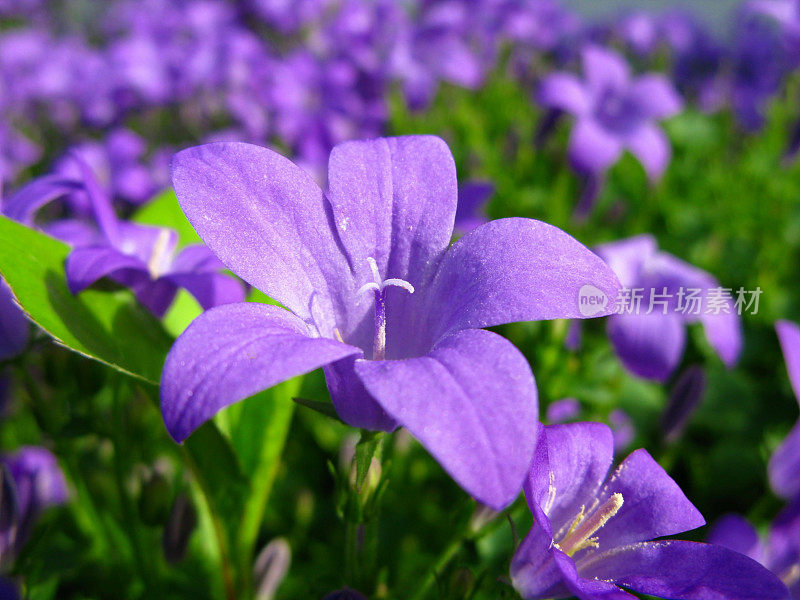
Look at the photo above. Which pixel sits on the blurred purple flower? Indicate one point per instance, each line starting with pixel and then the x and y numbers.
pixel 376 297
pixel 779 552
pixel 623 429
pixel 37 483
pixel 651 345
pixel 472 199
pixel 683 400
pixel 287 16
pixel 613 112
pixel 639 31
pixel 784 465
pixel 592 529
pixel 563 410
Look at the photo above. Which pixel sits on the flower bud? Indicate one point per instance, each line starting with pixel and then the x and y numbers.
pixel 180 525
pixel 271 567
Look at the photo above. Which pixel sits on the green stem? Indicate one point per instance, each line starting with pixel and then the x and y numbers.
pixel 444 559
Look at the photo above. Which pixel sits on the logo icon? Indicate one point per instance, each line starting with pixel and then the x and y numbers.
pixel 591 300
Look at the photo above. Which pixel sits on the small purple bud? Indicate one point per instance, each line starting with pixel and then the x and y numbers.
pixel 482 516
pixel 271 567
pixel 180 525
pixel 345 594
pixel 683 400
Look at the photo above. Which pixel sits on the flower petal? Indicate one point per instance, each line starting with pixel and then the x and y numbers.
pixel 231 352
pixel 736 532
pixel 472 198
pixel 655 96
pixel 564 91
pixel 23 204
pixel 269 223
pixel 86 265
pixel 686 571
pixel 650 145
pixel 472 403
pixel 604 69
pixel 74 232
pixel 569 466
pixel 515 270
pixel 393 200
pixel 627 257
pixel 534 571
pixel 653 504
pixel 209 289
pixel 587 588
pixel 593 149
pixel 789 337
pixel 784 466
pixel 650 346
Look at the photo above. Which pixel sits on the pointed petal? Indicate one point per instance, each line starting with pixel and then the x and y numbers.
pixel 564 91
pixel 592 149
pixel 587 588
pixel 789 336
pixel 23 204
pixel 685 571
pixel 481 426
pixel 569 466
pixel 653 504
pixel 784 466
pixel 74 232
pixel 268 222
pixel 650 145
pixel 472 198
pixel 231 352
pixel 394 200
pixel 196 258
pixel 86 265
pixel 353 403
pixel 627 257
pixel 516 270
pixel 534 570
pixel 209 289
pixel 655 96
pixel 604 69
pixel 650 346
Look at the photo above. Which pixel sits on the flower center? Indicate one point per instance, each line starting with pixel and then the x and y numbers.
pixel 579 535
pixel 378 286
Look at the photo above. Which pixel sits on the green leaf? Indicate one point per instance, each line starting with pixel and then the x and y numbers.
pixel 366 449
pixel 110 327
pixel 164 211
pixel 323 408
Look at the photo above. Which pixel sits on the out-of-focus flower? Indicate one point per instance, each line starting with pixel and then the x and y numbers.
pixel 649 335
pixel 345 594
pixel 271 567
pixel 779 552
pixel 613 112
pixel 370 283
pixel 622 427
pixel 784 465
pixel 36 484
pixel 683 400
pixel 563 410
pixel 472 199
pixel 592 529
pixel 639 30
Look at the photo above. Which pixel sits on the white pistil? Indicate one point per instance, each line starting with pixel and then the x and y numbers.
pixel 378 286
pixel 156 262
pixel 580 532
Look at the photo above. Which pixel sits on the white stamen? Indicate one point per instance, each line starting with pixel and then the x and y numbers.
pixel 376 274
pixel 580 533
pixel 378 285
pixel 399 283
pixel 156 261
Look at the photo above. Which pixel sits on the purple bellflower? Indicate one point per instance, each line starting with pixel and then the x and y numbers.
pixel 779 551
pixel 592 529
pixel 36 484
pixel 472 199
pixel 376 297
pixel 614 111
pixel 784 465
pixel 649 337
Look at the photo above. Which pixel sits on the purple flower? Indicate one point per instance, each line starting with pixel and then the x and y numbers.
pixel 613 112
pixel 683 401
pixel 779 551
pixel 622 427
pixel 376 297
pixel 37 483
pixel 592 529
pixel 563 410
pixel 674 293
pixel 639 30
pixel 14 327
pixel 784 465
pixel 472 199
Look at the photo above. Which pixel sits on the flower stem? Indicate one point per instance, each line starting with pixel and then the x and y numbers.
pixel 433 574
